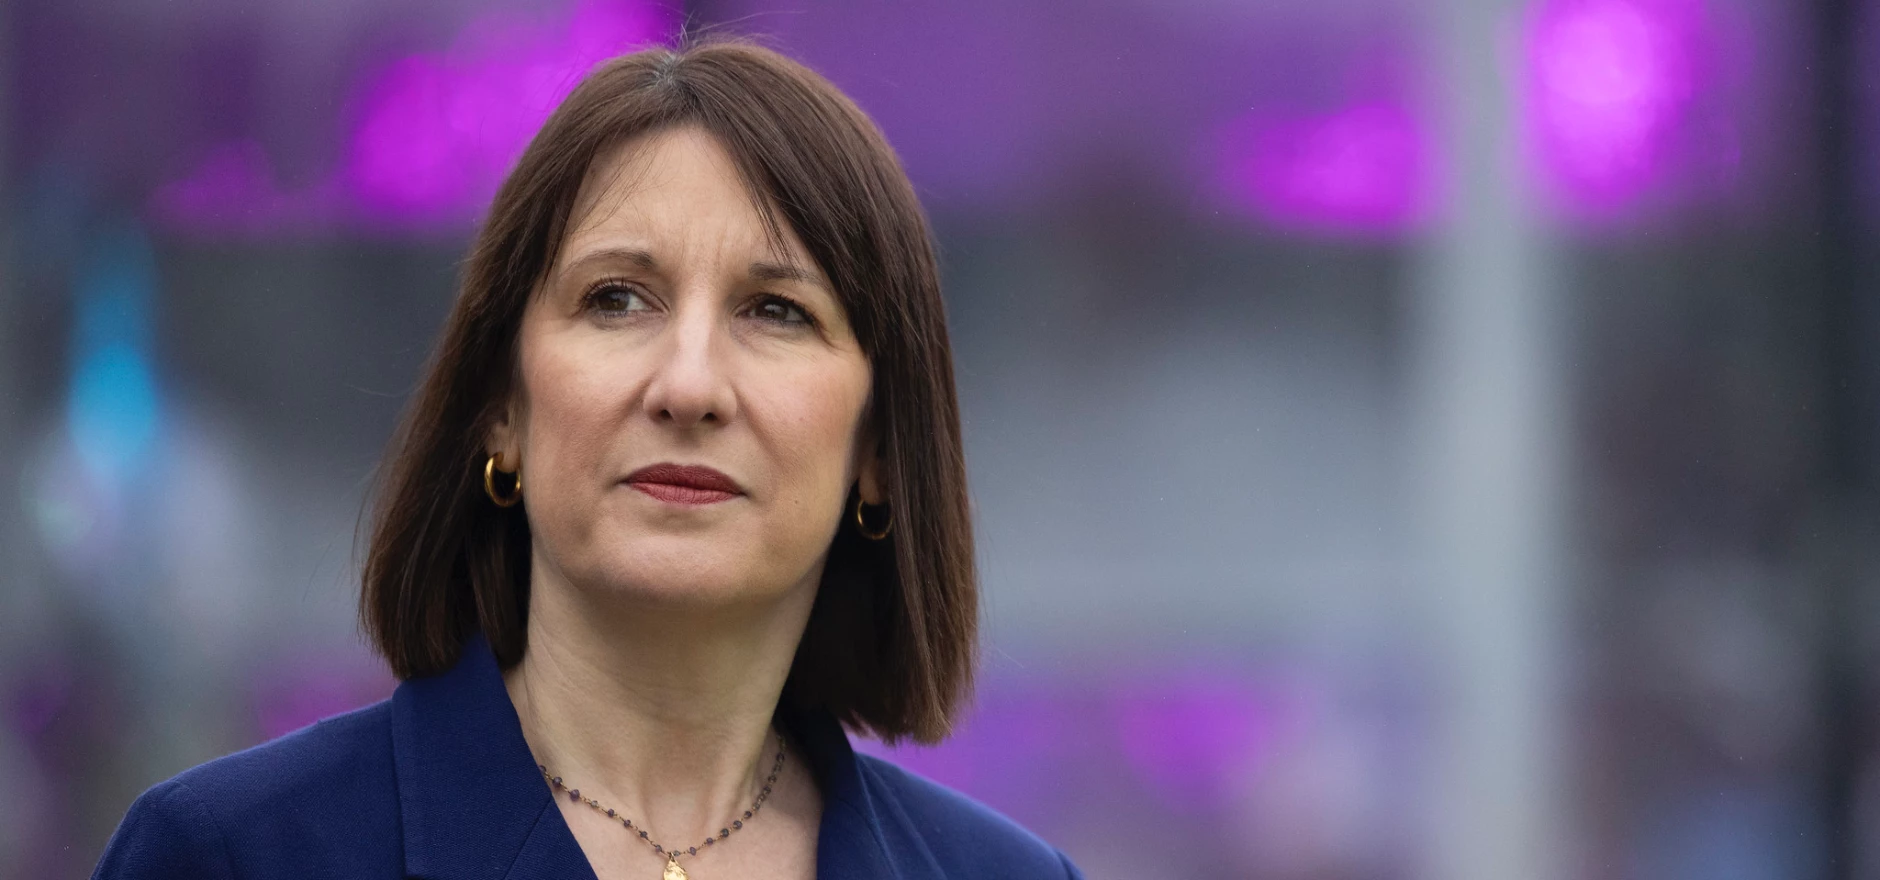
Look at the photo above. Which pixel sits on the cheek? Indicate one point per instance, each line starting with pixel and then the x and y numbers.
pixel 570 424
pixel 814 428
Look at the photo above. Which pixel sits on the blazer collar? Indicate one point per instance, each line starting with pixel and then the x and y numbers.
pixel 471 799
pixel 850 843
pixel 473 803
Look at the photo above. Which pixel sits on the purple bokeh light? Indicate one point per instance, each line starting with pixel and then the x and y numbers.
pixel 431 134
pixel 1607 84
pixel 234 191
pixel 1008 749
pixel 38 699
pixel 305 691
pixel 1363 169
pixel 436 132
pixel 1192 737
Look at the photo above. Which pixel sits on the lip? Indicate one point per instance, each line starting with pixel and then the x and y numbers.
pixel 684 483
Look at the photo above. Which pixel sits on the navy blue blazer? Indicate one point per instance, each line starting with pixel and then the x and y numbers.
pixel 437 782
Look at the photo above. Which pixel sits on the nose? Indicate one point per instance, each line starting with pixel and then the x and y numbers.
pixel 691 383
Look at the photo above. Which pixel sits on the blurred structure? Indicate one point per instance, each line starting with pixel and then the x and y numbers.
pixel 1410 440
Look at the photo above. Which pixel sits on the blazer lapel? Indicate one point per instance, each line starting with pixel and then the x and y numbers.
pixel 471 799
pixel 474 805
pixel 850 845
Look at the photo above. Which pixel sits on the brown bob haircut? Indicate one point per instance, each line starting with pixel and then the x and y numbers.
pixel 891 642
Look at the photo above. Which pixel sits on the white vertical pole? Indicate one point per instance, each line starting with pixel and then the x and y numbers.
pixel 1489 445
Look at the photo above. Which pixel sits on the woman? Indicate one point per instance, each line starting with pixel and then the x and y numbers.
pixel 680 496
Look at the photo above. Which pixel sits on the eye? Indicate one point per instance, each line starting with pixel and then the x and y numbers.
pixel 613 298
pixel 780 310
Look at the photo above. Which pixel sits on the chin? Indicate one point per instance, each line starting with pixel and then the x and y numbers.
pixel 688 570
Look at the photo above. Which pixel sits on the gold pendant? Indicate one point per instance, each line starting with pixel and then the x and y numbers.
pixel 673 871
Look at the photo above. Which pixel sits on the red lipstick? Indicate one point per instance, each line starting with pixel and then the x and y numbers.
pixel 684 483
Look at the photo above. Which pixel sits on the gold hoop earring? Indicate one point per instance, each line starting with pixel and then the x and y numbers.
pixel 862 526
pixel 489 483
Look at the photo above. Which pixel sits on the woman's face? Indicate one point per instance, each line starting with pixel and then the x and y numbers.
pixel 670 331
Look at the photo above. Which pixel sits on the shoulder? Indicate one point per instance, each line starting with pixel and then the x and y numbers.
pixel 324 796
pixel 167 833
pixel 963 836
pixel 335 758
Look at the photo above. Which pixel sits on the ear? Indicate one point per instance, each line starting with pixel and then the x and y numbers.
pixel 868 468
pixel 869 482
pixel 504 437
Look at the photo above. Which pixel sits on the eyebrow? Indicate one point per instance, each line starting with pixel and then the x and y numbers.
pixel 760 270
pixel 766 271
pixel 641 259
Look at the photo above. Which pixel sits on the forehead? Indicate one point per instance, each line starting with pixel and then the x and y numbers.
pixel 666 188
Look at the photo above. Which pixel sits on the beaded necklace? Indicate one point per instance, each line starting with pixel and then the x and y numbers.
pixel 673 871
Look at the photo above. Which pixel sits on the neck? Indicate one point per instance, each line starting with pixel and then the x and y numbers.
pixel 662 712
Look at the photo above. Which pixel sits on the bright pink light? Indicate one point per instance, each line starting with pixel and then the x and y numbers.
pixel 405 157
pixel 437 132
pixel 1362 169
pixel 1607 83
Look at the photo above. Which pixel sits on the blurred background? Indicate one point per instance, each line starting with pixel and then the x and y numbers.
pixel 1410 438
